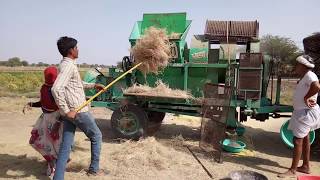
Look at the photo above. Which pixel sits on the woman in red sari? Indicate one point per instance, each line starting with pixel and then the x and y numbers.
pixel 46 133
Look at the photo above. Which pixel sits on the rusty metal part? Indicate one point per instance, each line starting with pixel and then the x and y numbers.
pixel 237 31
pixel 250 76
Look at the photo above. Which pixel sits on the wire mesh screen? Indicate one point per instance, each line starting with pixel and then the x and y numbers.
pixel 250 59
pixel 249 84
pixel 250 78
pixel 215 112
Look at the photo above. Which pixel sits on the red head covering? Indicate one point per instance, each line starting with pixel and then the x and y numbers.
pixel 50 75
pixel 46 98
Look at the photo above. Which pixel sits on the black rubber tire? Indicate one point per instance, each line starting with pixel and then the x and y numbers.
pixel 155 116
pixel 243 117
pixel 126 64
pixel 140 117
pixel 155 121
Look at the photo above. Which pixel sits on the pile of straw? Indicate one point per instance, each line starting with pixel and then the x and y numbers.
pixel 149 158
pixel 153 50
pixel 147 152
pixel 161 90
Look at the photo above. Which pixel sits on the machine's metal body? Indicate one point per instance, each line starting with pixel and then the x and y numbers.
pixel 225 46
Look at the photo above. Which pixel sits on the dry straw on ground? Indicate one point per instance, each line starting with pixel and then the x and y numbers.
pixel 153 50
pixel 161 90
pixel 154 160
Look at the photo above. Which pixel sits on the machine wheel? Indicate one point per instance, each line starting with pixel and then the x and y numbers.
pixel 261 117
pixel 126 63
pixel 243 117
pixel 155 120
pixel 129 122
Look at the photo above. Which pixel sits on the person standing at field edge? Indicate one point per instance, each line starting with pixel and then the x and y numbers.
pixel 68 92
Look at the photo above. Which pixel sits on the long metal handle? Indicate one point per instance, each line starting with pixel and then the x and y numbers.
pixel 204 168
pixel 108 86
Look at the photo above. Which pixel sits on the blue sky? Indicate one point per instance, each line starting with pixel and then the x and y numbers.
pixel 29 29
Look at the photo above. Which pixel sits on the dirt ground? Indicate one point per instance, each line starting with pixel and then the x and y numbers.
pixel 163 156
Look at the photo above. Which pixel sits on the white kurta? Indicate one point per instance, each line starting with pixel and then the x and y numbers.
pixel 304 119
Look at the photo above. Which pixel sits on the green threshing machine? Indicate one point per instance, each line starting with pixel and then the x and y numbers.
pixel 227 54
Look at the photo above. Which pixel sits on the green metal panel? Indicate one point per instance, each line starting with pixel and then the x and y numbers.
pixel 103 96
pixel 265 101
pixel 198 55
pixel 136 33
pixel 172 22
pixel 111 105
pixel 117 88
pixel 217 66
pixel 186 30
pixel 173 76
pixel 191 77
pixel 180 45
pixel 90 77
pixel 198 77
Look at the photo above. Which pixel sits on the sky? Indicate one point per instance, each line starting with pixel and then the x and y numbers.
pixel 29 29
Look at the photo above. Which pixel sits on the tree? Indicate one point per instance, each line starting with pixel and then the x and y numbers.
pixel 15 61
pixel 40 64
pixel 24 63
pixel 3 63
pixel 281 49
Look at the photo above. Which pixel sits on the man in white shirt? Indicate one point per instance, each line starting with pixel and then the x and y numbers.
pixel 68 92
pixel 306 115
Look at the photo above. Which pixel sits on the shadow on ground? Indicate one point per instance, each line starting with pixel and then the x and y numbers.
pixel 107 134
pixel 21 166
pixel 18 167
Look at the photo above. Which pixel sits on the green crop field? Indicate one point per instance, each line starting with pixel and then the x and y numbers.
pixel 20 83
pixel 17 84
